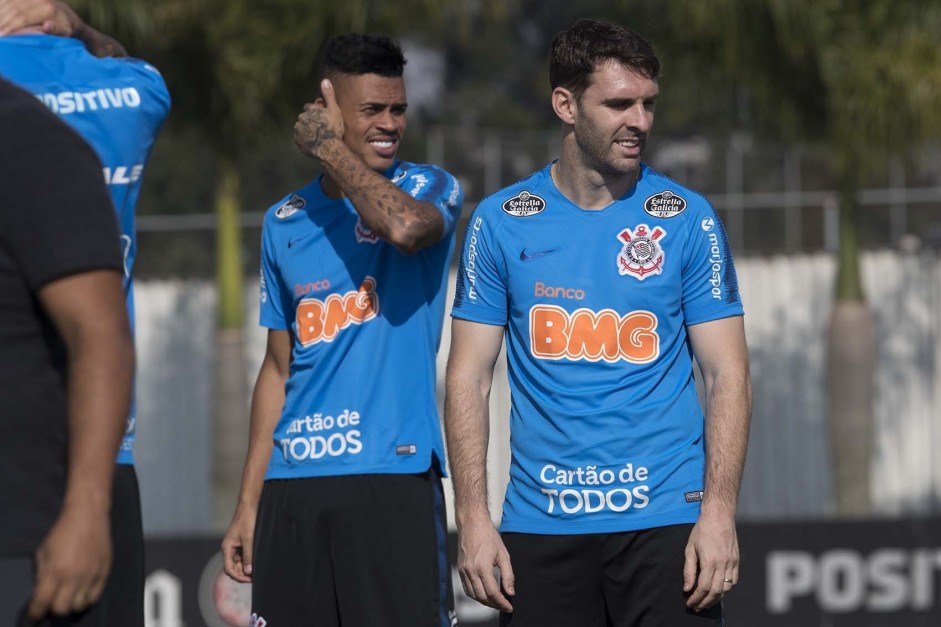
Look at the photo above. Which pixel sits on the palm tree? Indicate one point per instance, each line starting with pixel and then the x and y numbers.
pixel 865 79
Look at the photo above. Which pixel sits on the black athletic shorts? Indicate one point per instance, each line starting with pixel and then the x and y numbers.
pixel 630 579
pixel 124 593
pixel 122 602
pixel 352 551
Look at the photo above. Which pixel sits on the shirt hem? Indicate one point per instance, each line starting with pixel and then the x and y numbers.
pixel 412 467
pixel 709 316
pixel 463 315
pixel 569 528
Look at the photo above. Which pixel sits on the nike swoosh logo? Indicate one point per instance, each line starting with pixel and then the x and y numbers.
pixel 291 242
pixel 524 256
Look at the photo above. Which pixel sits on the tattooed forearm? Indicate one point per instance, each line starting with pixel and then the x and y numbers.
pixel 391 213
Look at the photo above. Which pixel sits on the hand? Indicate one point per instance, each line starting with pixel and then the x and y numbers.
pixel 480 550
pixel 72 563
pixel 319 123
pixel 237 545
pixel 711 567
pixel 48 16
pixel 99 44
pixel 55 18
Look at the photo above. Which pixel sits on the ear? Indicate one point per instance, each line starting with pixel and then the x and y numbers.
pixel 564 105
pixel 333 82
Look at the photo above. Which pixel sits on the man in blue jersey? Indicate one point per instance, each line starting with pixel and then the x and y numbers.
pixel 605 278
pixel 340 519
pixel 118 106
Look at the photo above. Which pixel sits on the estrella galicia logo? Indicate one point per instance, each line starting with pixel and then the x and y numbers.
pixel 524 205
pixel 666 204
pixel 294 204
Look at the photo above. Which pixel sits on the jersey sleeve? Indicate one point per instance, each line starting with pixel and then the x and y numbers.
pixel 440 188
pixel 151 81
pixel 276 305
pixel 710 285
pixel 56 217
pixel 481 293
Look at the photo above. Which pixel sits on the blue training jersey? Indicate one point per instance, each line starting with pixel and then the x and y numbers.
pixel 117 106
pixel 606 426
pixel 365 321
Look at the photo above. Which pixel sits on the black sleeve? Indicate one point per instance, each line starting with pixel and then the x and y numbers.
pixel 56 216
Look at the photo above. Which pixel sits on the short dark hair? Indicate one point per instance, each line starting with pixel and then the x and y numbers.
pixel 358 54
pixel 587 43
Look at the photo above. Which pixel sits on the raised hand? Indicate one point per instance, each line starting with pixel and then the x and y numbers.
pixel 320 123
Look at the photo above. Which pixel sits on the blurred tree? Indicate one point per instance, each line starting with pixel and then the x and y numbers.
pixel 516 95
pixel 238 69
pixel 864 78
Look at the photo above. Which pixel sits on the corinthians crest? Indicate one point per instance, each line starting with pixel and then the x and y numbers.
pixel 364 234
pixel 642 254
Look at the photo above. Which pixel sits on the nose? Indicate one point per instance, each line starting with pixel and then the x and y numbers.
pixel 638 118
pixel 386 121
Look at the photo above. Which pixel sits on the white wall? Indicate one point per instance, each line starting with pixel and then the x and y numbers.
pixel 787 301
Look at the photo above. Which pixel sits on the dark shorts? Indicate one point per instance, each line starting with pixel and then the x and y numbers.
pixel 124 592
pixel 122 602
pixel 630 579
pixel 354 550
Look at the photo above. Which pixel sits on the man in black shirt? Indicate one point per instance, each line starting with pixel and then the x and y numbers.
pixel 66 362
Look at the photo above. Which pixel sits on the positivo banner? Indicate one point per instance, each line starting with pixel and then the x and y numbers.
pixel 859 574
pixel 820 574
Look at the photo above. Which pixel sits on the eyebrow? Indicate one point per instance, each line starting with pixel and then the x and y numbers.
pixel 383 105
pixel 615 102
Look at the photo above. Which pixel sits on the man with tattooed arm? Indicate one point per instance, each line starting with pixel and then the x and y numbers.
pixel 340 516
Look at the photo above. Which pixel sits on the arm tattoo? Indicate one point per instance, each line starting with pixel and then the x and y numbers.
pixel 385 208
